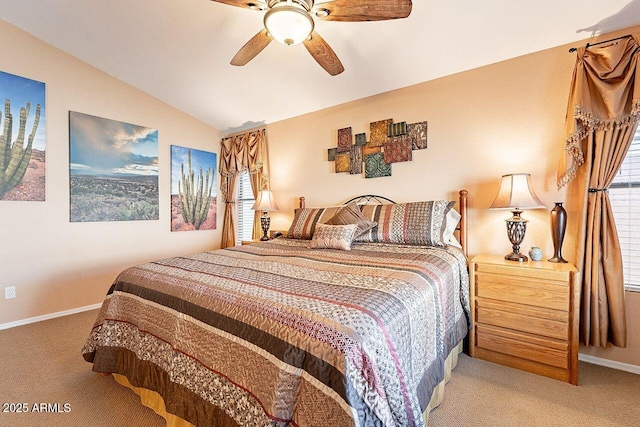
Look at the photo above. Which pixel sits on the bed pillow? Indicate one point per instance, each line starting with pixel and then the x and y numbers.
pixel 305 220
pixel 451 222
pixel 351 214
pixel 415 223
pixel 333 236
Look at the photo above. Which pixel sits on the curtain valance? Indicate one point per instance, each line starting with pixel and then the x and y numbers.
pixel 605 95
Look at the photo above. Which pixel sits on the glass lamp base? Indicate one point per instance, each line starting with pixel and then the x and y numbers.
pixel 265 221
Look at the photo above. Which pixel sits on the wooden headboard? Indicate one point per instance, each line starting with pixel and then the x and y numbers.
pixel 463 196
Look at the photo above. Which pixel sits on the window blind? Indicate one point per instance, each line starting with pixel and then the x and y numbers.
pixel 244 202
pixel 625 202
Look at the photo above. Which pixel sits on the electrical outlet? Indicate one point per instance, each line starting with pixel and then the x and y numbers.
pixel 10 292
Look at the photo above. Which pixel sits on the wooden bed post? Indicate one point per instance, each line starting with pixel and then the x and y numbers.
pixel 464 194
pixel 302 202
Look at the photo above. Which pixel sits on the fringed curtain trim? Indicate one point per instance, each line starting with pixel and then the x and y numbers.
pixel 587 123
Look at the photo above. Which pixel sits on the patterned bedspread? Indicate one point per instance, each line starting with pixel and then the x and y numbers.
pixel 276 333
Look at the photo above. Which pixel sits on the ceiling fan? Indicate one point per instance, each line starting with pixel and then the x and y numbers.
pixel 291 22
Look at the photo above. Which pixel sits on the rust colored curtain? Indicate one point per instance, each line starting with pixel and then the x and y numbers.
pixel 240 153
pixel 602 117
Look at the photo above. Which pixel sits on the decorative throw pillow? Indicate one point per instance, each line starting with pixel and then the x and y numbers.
pixel 333 236
pixel 305 220
pixel 351 214
pixel 416 223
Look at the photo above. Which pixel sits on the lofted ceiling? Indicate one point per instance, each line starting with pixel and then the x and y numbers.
pixel 179 50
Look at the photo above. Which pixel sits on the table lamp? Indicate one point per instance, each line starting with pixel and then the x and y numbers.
pixel 516 194
pixel 265 202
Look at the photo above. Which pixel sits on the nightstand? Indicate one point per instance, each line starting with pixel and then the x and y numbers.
pixel 525 315
pixel 249 242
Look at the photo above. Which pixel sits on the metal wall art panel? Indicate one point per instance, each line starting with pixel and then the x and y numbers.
pixel 378 132
pixel 418 134
pixel 344 140
pixel 398 150
pixel 388 143
pixel 343 162
pixel 355 165
pixel 375 167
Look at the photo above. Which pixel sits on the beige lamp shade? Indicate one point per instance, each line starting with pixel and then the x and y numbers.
pixel 516 193
pixel 265 202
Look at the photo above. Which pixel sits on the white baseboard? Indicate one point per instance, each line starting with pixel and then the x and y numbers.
pixel 634 369
pixel 49 316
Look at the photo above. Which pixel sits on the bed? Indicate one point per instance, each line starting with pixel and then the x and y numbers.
pixel 292 331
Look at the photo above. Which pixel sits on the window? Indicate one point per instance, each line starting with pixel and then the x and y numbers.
pixel 625 201
pixel 244 202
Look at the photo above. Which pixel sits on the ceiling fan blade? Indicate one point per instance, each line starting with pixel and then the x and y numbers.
pixel 363 10
pixel 323 54
pixel 246 4
pixel 252 48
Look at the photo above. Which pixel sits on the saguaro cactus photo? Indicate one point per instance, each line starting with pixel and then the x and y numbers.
pixel 22 139
pixel 193 201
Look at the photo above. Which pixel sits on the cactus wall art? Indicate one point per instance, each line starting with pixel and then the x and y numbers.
pixel 193 197
pixel 22 139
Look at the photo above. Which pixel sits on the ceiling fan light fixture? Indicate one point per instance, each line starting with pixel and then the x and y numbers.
pixel 288 23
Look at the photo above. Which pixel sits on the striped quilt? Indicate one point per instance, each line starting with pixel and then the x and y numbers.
pixel 276 333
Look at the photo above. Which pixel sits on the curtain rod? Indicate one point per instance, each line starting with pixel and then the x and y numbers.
pixel 573 49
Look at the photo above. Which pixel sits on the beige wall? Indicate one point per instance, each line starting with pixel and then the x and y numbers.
pixel 499 119
pixel 56 265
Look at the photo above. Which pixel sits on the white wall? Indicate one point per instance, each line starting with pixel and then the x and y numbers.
pixel 56 265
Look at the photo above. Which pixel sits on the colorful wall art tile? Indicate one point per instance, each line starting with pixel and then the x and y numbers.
pixel 378 132
pixel 375 167
pixel 343 162
pixel 418 134
pixel 388 143
pixel 398 150
pixel 355 160
pixel 344 140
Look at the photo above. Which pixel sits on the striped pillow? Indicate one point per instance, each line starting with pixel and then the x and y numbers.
pixel 351 214
pixel 305 220
pixel 415 223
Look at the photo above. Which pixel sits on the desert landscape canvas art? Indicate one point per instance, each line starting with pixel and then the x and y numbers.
pixel 113 170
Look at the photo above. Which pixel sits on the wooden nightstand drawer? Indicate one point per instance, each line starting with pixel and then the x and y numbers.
pixel 529 271
pixel 545 351
pixel 523 291
pixel 534 320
